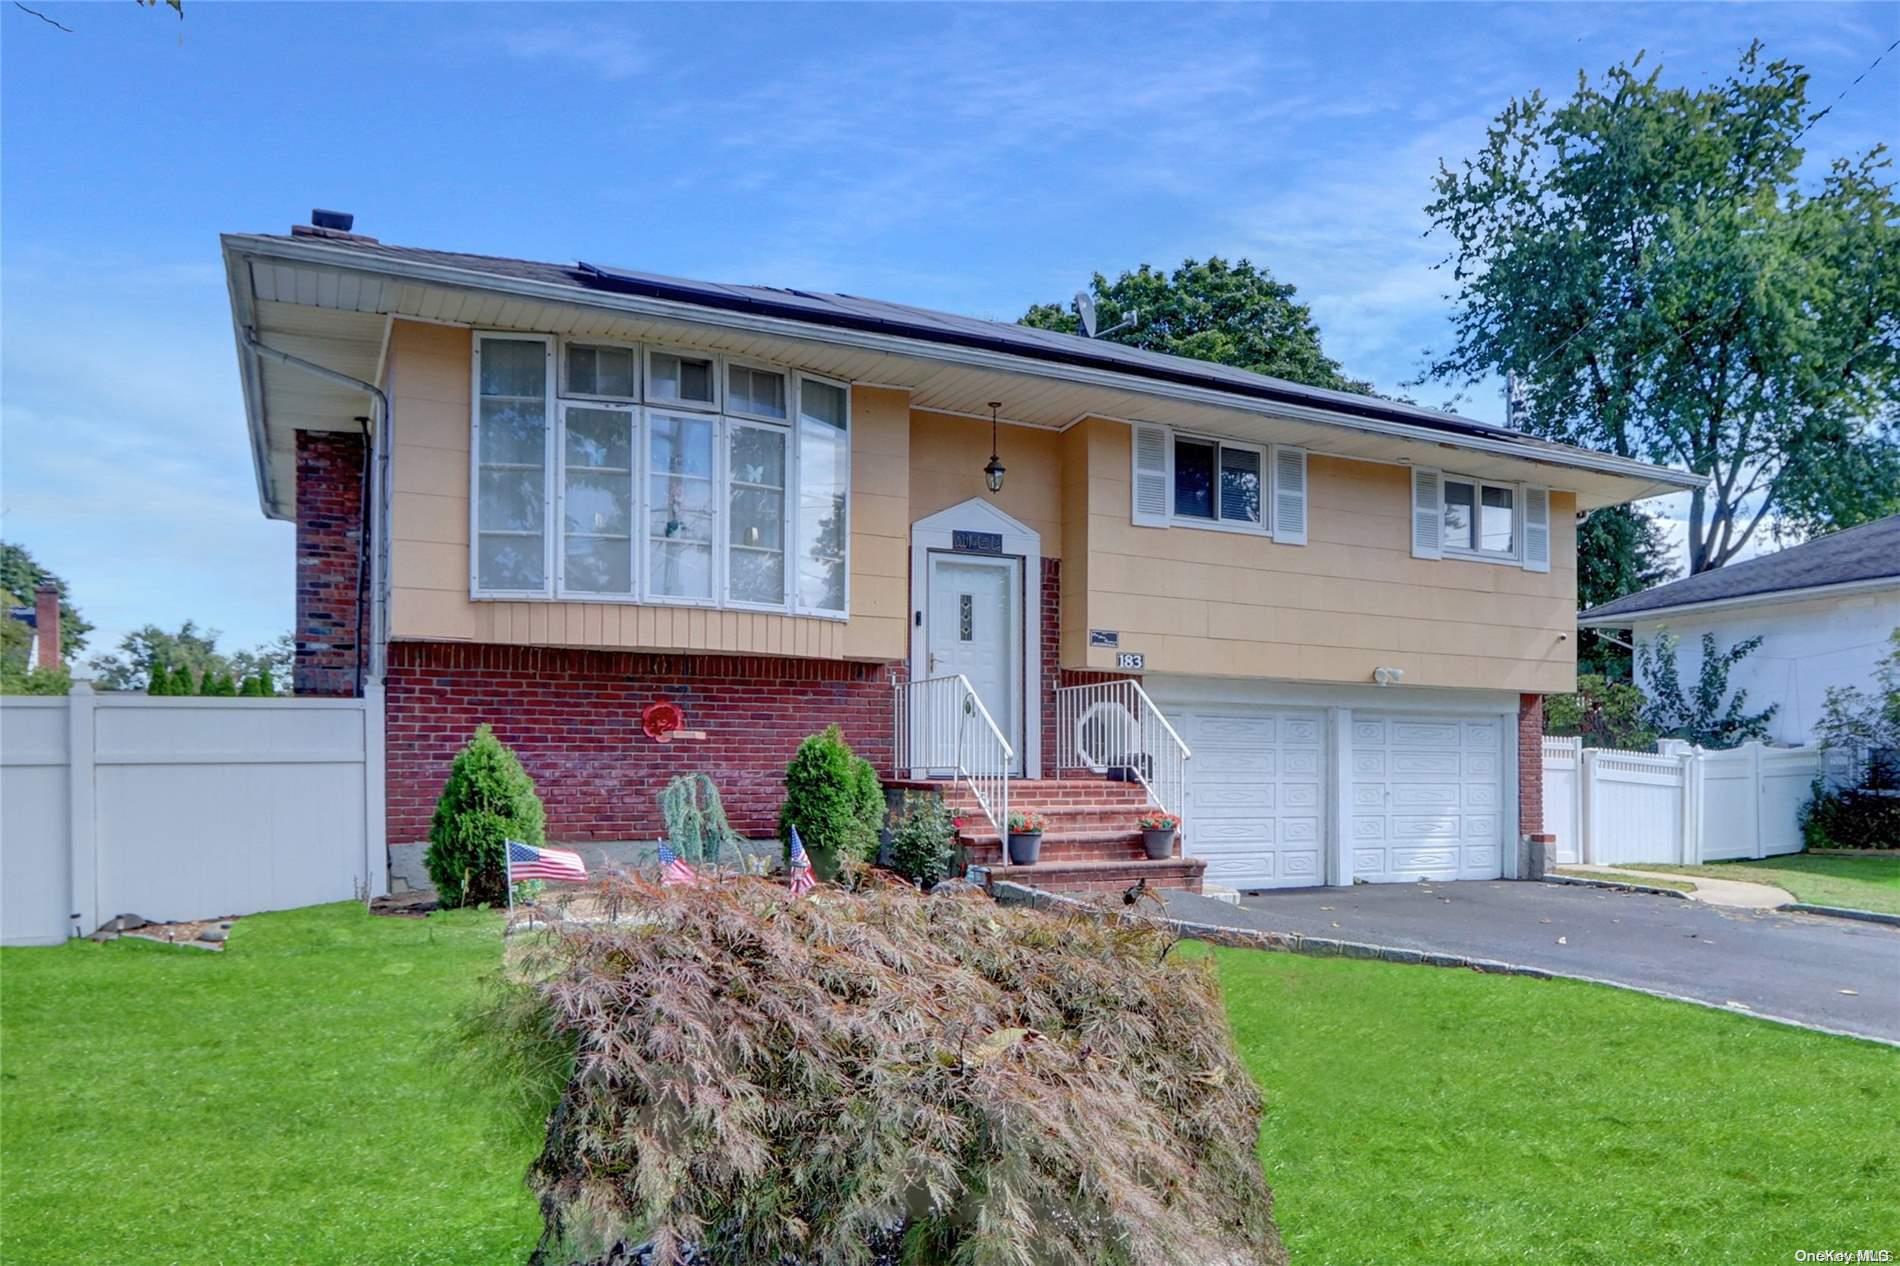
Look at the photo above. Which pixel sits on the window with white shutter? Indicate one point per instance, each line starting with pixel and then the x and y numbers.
pixel 1289 495
pixel 1151 475
pixel 1536 502
pixel 1427 513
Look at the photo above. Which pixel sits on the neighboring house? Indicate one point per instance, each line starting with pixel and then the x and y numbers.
pixel 1824 611
pixel 587 491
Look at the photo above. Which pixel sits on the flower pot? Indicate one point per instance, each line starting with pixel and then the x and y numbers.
pixel 1024 847
pixel 1160 844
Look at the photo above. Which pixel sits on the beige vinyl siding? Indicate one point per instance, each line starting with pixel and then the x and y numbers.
pixel 1350 600
pixel 947 456
pixel 429 383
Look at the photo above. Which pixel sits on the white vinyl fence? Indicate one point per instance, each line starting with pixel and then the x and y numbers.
pixel 1682 805
pixel 184 808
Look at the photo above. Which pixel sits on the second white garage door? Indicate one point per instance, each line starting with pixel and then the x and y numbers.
pixel 1255 798
pixel 1427 798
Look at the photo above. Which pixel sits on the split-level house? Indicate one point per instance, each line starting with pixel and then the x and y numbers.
pixel 554 497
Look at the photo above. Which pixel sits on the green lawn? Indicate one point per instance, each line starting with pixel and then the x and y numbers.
pixel 1863 883
pixel 1423 1115
pixel 288 1102
pixel 284 1101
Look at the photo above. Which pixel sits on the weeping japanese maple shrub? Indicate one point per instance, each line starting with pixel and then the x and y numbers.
pixel 858 1077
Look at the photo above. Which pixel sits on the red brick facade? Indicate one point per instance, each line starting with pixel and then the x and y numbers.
pixel 573 717
pixel 329 544
pixel 1530 764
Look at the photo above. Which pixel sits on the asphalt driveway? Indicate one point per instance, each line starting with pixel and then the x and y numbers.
pixel 1797 967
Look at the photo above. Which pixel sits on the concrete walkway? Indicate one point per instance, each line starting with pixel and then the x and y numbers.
pixel 1717 892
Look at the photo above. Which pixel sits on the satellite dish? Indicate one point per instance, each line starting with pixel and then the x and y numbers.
pixel 1085 307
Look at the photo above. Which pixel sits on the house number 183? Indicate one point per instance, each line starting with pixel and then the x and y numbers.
pixel 1129 659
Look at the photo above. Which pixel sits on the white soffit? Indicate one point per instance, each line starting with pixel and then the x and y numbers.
pixel 336 316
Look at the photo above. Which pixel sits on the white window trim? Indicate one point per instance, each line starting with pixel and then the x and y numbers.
pixel 635 521
pixel 1515 556
pixel 729 363
pixel 717 405
pixel 716 577
pixel 563 391
pixel 554 559
pixel 551 454
pixel 850 511
pixel 787 513
pixel 1217 523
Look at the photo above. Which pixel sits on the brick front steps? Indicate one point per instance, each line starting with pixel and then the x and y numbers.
pixel 1091 845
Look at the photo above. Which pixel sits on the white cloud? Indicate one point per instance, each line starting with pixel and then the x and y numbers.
pixel 594 47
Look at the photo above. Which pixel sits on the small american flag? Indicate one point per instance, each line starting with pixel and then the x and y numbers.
pixel 528 862
pixel 802 882
pixel 672 869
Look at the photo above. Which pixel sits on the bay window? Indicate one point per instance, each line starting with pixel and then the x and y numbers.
pixel 656 476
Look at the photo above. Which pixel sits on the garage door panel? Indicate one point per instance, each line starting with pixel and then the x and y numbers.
pixel 1299 830
pixel 1257 786
pixel 1434 801
pixel 1301 866
pixel 1223 832
pixel 1425 795
pixel 1245 871
pixel 1224 799
pixel 1216 731
pixel 1433 863
pixel 1424 734
pixel 1425 764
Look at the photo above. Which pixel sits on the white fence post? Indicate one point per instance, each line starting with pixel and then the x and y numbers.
pixel 1586 805
pixel 1753 748
pixel 375 801
pixel 82 841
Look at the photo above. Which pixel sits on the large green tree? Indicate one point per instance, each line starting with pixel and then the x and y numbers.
pixel 1236 314
pixel 1620 550
pixel 190 652
pixel 1646 261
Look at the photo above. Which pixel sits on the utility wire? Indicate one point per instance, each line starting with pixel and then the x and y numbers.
pixel 42 17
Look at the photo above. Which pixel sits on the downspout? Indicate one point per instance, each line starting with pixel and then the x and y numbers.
pixel 379 456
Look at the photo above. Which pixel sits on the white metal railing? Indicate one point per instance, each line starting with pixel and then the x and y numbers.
pixel 943 729
pixel 1115 725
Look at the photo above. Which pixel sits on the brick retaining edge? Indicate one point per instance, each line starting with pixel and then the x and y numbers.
pixel 1007 893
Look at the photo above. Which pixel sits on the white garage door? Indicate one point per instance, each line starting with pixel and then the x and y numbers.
pixel 1427 798
pixel 1255 795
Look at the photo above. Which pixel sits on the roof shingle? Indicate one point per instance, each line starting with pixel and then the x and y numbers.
pixel 1870 552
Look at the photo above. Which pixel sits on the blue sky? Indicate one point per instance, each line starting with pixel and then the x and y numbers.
pixel 970 158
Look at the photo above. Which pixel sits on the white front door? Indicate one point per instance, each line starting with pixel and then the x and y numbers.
pixel 974 627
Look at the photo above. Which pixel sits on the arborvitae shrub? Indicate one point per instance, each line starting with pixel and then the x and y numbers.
pixel 182 682
pixel 487 800
pixel 834 799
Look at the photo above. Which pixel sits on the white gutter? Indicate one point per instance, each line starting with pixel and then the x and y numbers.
pixel 1770 598
pixel 320 253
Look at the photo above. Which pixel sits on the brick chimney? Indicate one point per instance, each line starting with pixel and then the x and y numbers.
pixel 46 623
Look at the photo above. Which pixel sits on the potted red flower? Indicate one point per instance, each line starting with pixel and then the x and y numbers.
pixel 1157 834
pixel 1025 837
